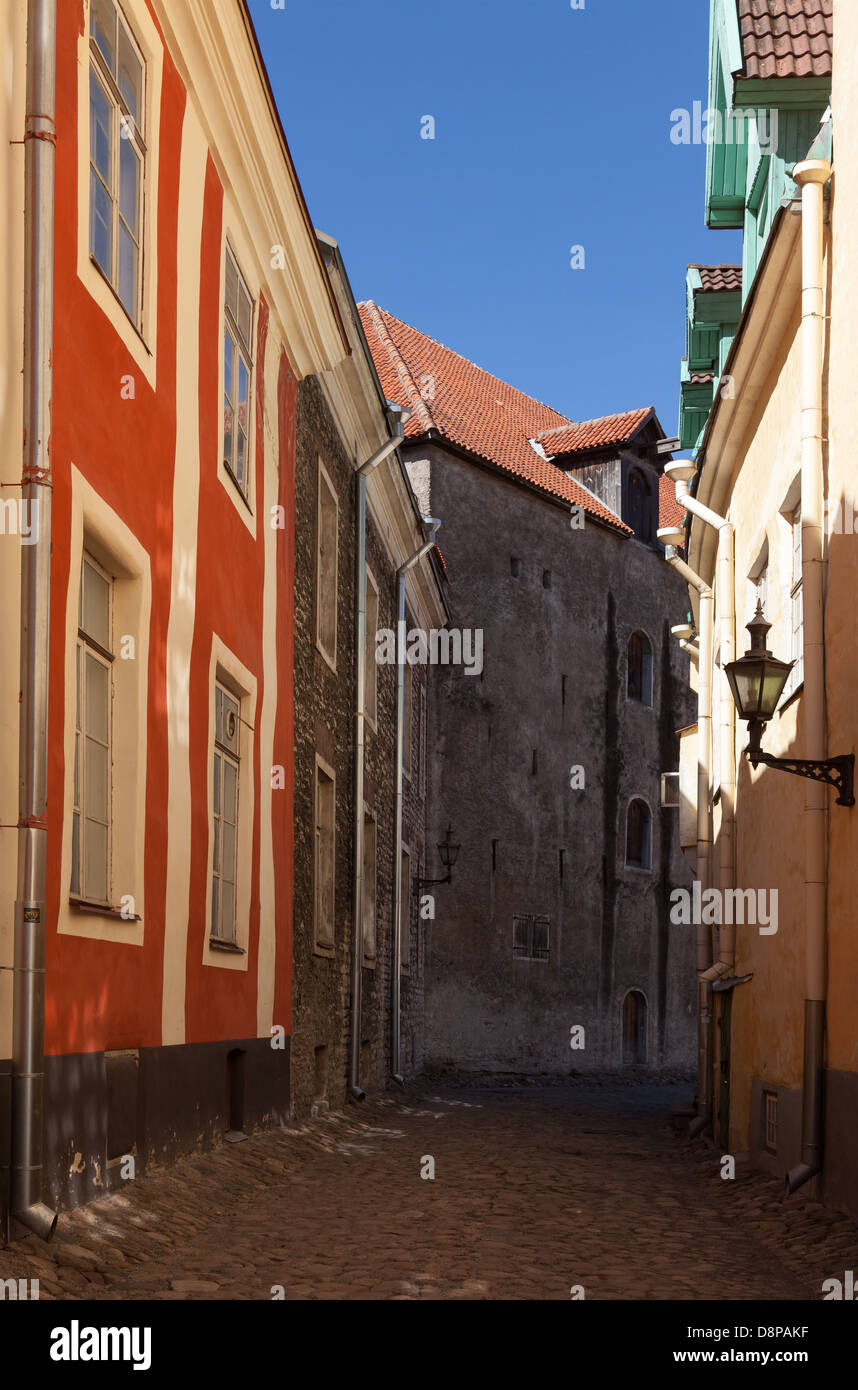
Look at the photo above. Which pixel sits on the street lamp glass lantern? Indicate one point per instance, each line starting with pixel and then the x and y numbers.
pixel 757 679
pixel 448 851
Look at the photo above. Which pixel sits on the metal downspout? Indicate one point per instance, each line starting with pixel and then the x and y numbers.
pixel 365 469
pixel 28 1061
pixel 396 986
pixel 704 834
pixel 811 176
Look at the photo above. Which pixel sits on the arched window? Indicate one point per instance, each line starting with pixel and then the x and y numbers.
pixel 639 681
pixel 634 1029
pixel 640 511
pixel 638 835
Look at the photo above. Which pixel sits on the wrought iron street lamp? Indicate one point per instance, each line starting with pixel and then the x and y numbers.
pixel 757 681
pixel 449 853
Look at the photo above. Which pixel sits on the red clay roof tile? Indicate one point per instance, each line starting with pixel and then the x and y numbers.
pixel 786 38
pixel 477 411
pixel 580 436
pixel 670 512
pixel 719 277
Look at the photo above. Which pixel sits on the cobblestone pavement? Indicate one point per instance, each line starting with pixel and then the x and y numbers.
pixel 537 1188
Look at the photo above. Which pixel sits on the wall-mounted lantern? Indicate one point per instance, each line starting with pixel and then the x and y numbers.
pixel 757 681
pixel 449 853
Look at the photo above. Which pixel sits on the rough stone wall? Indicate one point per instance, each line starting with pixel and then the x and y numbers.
pixel 552 695
pixel 323 724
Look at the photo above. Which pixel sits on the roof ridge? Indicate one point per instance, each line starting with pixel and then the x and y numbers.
pixel 596 420
pixel 421 410
pixel 369 304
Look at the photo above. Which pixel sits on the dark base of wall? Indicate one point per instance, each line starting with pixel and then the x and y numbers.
pixel 837 1186
pixel 110 1116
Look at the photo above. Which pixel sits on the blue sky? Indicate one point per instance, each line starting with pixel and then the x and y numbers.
pixel 552 130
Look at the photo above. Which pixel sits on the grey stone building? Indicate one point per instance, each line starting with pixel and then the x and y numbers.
pixel 341 421
pixel 551 947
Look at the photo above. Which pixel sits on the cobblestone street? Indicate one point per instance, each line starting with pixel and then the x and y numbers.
pixel 537 1188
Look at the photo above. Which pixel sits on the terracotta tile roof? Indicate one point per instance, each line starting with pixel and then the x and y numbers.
pixel 719 277
pixel 669 511
pixel 594 434
pixel 472 409
pixel 701 378
pixel 786 38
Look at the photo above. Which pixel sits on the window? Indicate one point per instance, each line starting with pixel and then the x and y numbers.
pixel 405 914
pixel 530 937
pixel 326 568
pixel 796 606
pixel 638 835
pixel 634 1029
pixel 407 718
pixel 639 676
pixel 237 372
pixel 90 873
pixel 116 153
pixel 369 886
pixel 770 1121
pixel 371 669
pixel 225 782
pixel 758 583
pixel 324 856
pixel 640 511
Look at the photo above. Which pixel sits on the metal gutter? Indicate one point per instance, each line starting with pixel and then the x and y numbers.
pixel 28 1046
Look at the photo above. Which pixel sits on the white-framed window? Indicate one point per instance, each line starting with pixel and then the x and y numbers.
pixel 117 153
pixel 327 524
pixel 91 817
pixel 371 665
pixel 796 606
pixel 369 886
pixel 407 718
pixel 237 373
pixel 325 805
pixel 225 781
pixel 405 914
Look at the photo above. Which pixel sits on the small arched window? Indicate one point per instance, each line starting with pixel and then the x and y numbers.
pixel 639 680
pixel 634 1029
pixel 638 835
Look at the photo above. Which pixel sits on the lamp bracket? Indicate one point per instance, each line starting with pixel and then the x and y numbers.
pixel 835 772
pixel 429 882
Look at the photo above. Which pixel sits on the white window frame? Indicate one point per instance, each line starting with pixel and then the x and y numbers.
pixel 370 886
pixel 326 583
pixel 89 648
pixel 373 607
pixel 140 339
pixel 407 719
pixel 324 947
pixel 96 528
pixel 122 127
pixel 226 670
pixel 242 353
pixel 796 607
pixel 405 908
pixel 225 754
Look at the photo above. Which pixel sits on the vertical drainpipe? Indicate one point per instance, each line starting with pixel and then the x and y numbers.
pixel 361 476
pixel 704 834
pixel 28 1047
pixel 430 527
pixel 811 176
